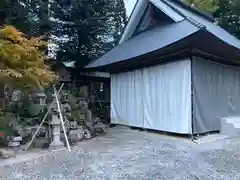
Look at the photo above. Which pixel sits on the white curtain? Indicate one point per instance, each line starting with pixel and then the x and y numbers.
pixel 216 94
pixel 155 98
pixel 126 98
pixel 167 97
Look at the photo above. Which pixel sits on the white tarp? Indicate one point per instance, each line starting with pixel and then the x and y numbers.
pixel 167 97
pixel 126 99
pixel 216 94
pixel 156 97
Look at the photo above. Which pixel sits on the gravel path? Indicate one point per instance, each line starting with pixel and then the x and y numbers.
pixel 134 155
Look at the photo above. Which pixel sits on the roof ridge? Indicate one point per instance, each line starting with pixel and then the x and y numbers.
pixel 191 20
pixel 194 22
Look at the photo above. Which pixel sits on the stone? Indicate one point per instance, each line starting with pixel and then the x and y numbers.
pixel 67 124
pixel 73 125
pixel 14 144
pixel 83 92
pixel 133 155
pixel 76 135
pixel 40 96
pixel 56 144
pixel 23 131
pixel 6 153
pixel 16 96
pixel 41 143
pixel 14 141
pixel 56 123
pixel 87 134
pixel 18 138
pixel 83 104
pixel 97 120
pixel 35 109
pixel 66 107
pixel 89 121
pixel 101 127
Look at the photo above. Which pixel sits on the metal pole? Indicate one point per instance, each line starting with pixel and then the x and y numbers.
pixel 61 118
pixel 44 118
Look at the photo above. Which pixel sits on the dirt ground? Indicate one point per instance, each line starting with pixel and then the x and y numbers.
pixel 132 155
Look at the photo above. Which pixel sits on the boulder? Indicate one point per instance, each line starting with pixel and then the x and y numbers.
pixel 87 134
pixel 41 143
pixel 14 142
pixel 6 153
pixel 101 127
pixel 76 135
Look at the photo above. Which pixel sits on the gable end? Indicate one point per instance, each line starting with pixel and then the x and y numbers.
pixel 139 14
pixel 152 17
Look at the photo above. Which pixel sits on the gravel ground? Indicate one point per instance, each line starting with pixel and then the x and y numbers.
pixel 134 155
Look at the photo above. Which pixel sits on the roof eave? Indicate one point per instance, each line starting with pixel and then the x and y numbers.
pixel 193 45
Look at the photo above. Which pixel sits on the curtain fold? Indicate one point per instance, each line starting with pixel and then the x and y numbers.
pixel 156 98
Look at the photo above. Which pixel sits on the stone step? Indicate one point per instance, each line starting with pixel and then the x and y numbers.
pixel 230 125
pixel 233 119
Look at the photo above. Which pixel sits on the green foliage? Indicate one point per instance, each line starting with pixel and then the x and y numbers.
pixel 21 107
pixel 206 5
pixel 22 60
pixel 227 13
pixel 88 28
pixel 76 109
pixel 29 16
pixel 228 16
pixel 5 127
pixel 81 29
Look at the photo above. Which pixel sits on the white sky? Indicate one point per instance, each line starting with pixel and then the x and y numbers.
pixel 129 6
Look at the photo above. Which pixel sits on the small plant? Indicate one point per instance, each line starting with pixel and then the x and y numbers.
pixel 6 129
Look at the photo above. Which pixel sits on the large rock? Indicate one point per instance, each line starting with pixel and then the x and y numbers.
pixel 14 142
pixel 6 153
pixel 35 109
pixel 87 134
pixel 41 143
pixel 76 135
pixel 101 127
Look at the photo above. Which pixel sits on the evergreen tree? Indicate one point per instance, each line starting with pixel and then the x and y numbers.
pixel 228 16
pixel 227 13
pixel 206 5
pixel 29 16
pixel 85 29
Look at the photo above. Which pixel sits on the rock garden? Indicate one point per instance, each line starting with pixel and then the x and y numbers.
pixel 31 122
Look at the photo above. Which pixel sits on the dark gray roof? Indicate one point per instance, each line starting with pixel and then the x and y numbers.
pixel 211 27
pixel 164 36
pixel 146 42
